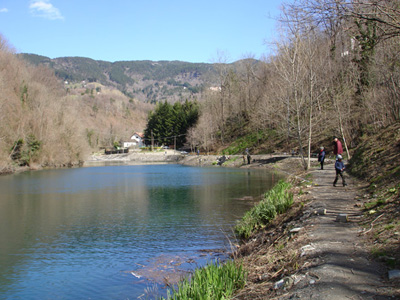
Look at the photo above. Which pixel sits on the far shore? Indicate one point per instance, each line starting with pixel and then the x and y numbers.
pixel 192 159
pixel 282 162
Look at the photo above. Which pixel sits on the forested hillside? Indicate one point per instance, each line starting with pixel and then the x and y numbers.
pixel 44 123
pixel 146 81
pixel 335 72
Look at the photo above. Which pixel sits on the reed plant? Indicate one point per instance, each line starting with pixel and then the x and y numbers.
pixel 276 201
pixel 215 281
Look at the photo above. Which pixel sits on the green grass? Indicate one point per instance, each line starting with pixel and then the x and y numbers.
pixel 216 281
pixel 276 201
pixel 250 141
pixel 374 204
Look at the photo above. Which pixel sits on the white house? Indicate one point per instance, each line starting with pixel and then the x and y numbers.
pixel 136 140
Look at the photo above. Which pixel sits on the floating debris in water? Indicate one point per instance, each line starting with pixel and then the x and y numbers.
pixel 137 276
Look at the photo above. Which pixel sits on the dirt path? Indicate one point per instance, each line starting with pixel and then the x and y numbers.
pixel 337 264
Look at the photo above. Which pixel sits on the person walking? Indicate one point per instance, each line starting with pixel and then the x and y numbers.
pixel 321 157
pixel 339 167
pixel 248 156
pixel 337 147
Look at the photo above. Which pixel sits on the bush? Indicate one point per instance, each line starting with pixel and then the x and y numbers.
pixel 23 151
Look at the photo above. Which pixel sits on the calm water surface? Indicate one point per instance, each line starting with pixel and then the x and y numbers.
pixel 79 233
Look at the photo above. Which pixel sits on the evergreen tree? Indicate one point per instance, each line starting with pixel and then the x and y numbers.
pixel 169 123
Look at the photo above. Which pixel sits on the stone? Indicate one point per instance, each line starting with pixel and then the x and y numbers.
pixel 295 230
pixel 320 211
pixel 305 249
pixel 279 284
pixel 288 282
pixel 342 218
pixel 394 274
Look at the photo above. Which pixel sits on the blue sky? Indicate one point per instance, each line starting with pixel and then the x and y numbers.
pixel 115 30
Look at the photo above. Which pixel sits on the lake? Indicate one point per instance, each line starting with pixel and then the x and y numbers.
pixel 117 232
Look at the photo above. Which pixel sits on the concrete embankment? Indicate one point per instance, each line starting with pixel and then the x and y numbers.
pixel 170 156
pixel 136 158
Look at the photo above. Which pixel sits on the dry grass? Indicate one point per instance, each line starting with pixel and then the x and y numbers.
pixel 272 253
pixel 377 161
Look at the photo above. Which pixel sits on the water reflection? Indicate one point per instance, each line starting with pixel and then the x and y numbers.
pixel 77 233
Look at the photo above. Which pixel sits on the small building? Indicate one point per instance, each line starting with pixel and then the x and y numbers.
pixel 136 140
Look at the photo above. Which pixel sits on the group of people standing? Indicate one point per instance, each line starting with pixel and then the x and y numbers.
pixel 339 164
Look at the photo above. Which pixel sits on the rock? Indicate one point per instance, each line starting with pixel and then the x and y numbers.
pixel 305 249
pixel 320 211
pixel 394 274
pixel 342 218
pixel 295 230
pixel 298 278
pixel 279 284
pixel 264 277
pixel 289 281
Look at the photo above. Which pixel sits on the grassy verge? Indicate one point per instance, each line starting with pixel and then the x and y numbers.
pixel 276 201
pixel 251 141
pixel 215 281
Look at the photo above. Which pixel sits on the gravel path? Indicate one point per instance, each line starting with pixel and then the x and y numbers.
pixel 338 265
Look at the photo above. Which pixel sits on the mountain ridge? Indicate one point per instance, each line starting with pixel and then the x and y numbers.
pixel 144 80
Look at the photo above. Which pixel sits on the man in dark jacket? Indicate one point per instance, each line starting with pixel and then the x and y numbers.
pixel 339 167
pixel 321 157
pixel 337 147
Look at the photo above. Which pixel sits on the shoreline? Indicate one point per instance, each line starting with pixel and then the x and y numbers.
pixel 171 156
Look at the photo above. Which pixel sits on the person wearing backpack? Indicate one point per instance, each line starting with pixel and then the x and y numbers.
pixel 339 167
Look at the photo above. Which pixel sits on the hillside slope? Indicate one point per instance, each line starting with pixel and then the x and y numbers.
pixel 142 80
pixel 377 161
pixel 310 252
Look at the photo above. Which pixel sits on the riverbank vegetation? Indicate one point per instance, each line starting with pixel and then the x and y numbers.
pixel 222 280
pixel 276 201
pixel 215 281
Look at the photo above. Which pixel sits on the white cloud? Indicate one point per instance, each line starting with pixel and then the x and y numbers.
pixel 45 10
pixel 3 10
